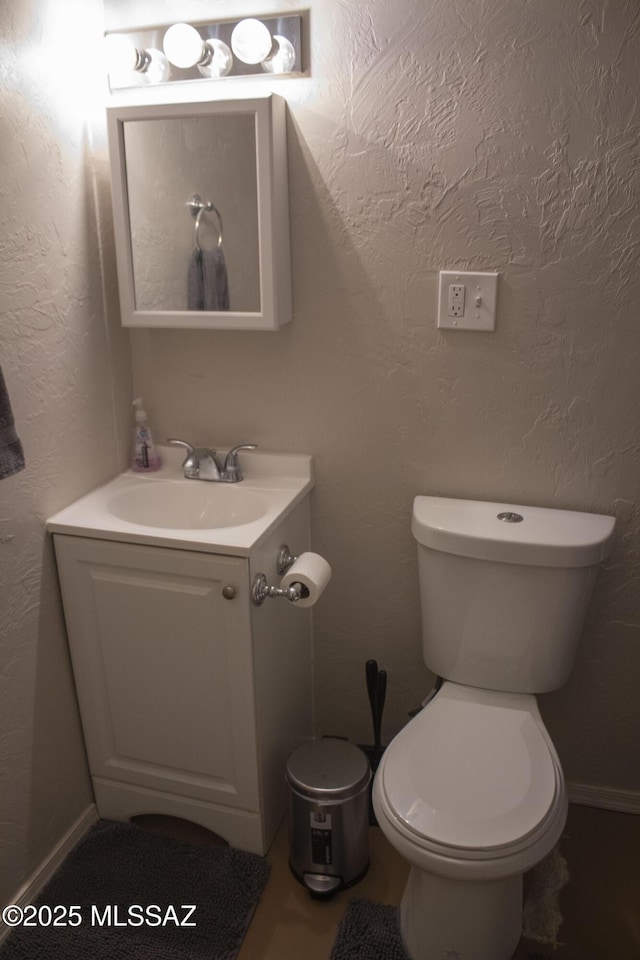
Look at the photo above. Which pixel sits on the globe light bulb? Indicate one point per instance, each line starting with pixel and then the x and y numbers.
pixel 251 41
pixel 183 45
pixel 220 59
pixel 284 57
pixel 120 53
pixel 157 68
pixel 129 66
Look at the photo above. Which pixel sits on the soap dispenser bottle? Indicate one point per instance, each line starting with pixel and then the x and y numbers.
pixel 145 456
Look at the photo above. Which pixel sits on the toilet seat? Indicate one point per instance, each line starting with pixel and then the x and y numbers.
pixel 473 776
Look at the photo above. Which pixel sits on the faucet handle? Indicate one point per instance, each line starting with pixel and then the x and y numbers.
pixel 190 463
pixel 231 469
pixel 182 443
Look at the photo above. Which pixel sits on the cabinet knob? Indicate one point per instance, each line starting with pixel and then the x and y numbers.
pixel 229 593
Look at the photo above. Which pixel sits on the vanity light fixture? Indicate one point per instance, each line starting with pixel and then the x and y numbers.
pixel 182 52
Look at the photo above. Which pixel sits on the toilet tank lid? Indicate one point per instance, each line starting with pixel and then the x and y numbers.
pixel 543 537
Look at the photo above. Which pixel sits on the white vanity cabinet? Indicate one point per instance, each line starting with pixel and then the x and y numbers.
pixel 191 697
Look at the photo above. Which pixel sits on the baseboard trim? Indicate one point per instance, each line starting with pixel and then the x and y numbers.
pixel 45 870
pixel 623 801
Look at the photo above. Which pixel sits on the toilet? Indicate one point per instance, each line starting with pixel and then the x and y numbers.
pixel 471 791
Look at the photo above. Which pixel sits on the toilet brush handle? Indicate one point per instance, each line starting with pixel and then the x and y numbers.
pixel 381 692
pixel 371 673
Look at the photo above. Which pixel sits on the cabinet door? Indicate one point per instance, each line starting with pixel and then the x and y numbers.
pixel 163 667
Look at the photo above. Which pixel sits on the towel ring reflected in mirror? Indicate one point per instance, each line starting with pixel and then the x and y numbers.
pixel 198 206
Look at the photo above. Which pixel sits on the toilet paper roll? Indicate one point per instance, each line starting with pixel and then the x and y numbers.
pixel 313 572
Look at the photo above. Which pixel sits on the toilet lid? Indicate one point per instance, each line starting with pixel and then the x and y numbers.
pixel 472 770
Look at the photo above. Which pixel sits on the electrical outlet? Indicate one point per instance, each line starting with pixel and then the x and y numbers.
pixel 467 301
pixel 456 299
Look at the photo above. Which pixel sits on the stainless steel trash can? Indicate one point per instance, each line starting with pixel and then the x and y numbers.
pixel 328 815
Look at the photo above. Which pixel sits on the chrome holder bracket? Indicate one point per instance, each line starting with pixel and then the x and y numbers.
pixel 285 559
pixel 260 590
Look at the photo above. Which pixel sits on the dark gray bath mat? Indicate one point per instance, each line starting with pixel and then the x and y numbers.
pixel 369 931
pixel 118 865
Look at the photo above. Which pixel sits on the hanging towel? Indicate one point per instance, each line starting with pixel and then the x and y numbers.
pixel 208 286
pixel 11 453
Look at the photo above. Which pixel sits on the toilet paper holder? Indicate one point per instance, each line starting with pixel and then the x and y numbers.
pixel 294 589
pixel 260 590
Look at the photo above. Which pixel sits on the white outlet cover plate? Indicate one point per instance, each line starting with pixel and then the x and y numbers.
pixel 480 301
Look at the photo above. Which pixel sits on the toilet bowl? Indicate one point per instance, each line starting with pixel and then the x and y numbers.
pixel 471 792
pixel 473 785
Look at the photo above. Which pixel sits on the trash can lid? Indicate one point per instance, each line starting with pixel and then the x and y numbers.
pixel 328 768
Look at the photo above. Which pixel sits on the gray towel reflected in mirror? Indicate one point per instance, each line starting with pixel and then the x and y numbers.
pixel 208 285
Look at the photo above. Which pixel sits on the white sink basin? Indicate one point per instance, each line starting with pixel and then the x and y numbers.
pixel 187 505
pixel 165 509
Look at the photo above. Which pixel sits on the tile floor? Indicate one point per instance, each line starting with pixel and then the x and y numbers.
pixel 290 925
pixel 600 904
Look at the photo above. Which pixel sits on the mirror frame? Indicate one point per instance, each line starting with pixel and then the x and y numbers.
pixel 274 249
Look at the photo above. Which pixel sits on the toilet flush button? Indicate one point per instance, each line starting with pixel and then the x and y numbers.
pixel 509 517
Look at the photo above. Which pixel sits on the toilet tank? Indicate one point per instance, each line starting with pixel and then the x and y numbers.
pixel 504 589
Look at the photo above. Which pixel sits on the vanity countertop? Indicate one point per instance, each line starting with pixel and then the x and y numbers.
pixel 273 485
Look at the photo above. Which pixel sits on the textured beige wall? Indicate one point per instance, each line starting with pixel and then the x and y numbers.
pixel 68 373
pixel 434 135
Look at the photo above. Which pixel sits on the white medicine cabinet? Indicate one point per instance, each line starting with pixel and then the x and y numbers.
pixel 201 213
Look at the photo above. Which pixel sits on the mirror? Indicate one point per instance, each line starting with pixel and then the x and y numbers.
pixel 200 203
pixel 168 163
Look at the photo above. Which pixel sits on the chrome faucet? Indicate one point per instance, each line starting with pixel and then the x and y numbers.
pixel 201 463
